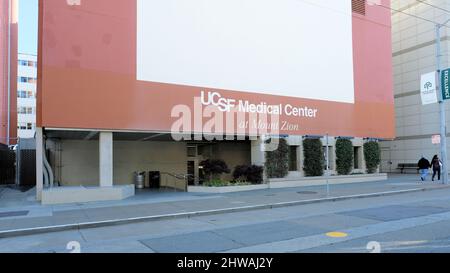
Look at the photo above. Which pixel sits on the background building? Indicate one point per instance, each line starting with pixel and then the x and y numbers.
pixel 414 54
pixel 8 71
pixel 26 95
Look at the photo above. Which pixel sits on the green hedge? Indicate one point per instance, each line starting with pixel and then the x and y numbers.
pixel 313 157
pixel 372 155
pixel 277 162
pixel 344 156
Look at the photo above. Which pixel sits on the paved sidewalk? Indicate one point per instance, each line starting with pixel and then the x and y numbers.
pixel 21 215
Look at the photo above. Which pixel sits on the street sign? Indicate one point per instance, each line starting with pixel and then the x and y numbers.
pixel 436 139
pixel 445 83
pixel 428 90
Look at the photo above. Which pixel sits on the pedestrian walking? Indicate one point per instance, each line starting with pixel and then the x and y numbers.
pixel 424 165
pixel 436 164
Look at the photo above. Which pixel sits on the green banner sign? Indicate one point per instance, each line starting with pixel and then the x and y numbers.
pixel 445 84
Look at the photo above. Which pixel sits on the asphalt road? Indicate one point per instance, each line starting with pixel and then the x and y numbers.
pixel 418 222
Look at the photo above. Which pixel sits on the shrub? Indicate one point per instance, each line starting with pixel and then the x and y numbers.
pixel 221 183
pixel 252 174
pixel 240 173
pixel 372 155
pixel 313 157
pixel 255 174
pixel 214 168
pixel 277 162
pixel 344 156
pixel 216 183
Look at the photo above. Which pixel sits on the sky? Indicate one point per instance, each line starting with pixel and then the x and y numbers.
pixel 28 26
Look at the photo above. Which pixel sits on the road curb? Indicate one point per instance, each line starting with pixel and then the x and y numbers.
pixel 86 225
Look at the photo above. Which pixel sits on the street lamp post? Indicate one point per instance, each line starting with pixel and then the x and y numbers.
pixel 441 104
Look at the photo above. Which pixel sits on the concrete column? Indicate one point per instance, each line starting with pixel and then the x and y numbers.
pixel 258 155
pixel 257 152
pixel 39 163
pixel 106 159
pixel 300 159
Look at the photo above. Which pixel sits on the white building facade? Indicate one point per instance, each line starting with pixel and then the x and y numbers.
pixel 26 95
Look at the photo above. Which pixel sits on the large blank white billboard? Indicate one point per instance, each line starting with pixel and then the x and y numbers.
pixel 294 48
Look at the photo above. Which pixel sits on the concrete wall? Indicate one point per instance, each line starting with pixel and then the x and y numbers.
pixel 234 154
pixel 80 161
pixel 414 53
pixel 170 157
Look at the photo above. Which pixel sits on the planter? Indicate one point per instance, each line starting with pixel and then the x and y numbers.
pixel 71 195
pixel 333 180
pixel 294 183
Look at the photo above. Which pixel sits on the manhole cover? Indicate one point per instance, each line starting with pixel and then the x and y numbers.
pixel 307 192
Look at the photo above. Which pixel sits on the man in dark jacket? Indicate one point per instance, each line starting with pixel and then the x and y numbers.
pixel 423 165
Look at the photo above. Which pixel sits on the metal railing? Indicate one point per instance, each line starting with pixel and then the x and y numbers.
pixel 184 177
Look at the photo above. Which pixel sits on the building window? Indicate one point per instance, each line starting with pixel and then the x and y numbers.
pixel 26 126
pixel 27 63
pixel 22 126
pixel 26 110
pixel 359 6
pixel 26 80
pixel 25 94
